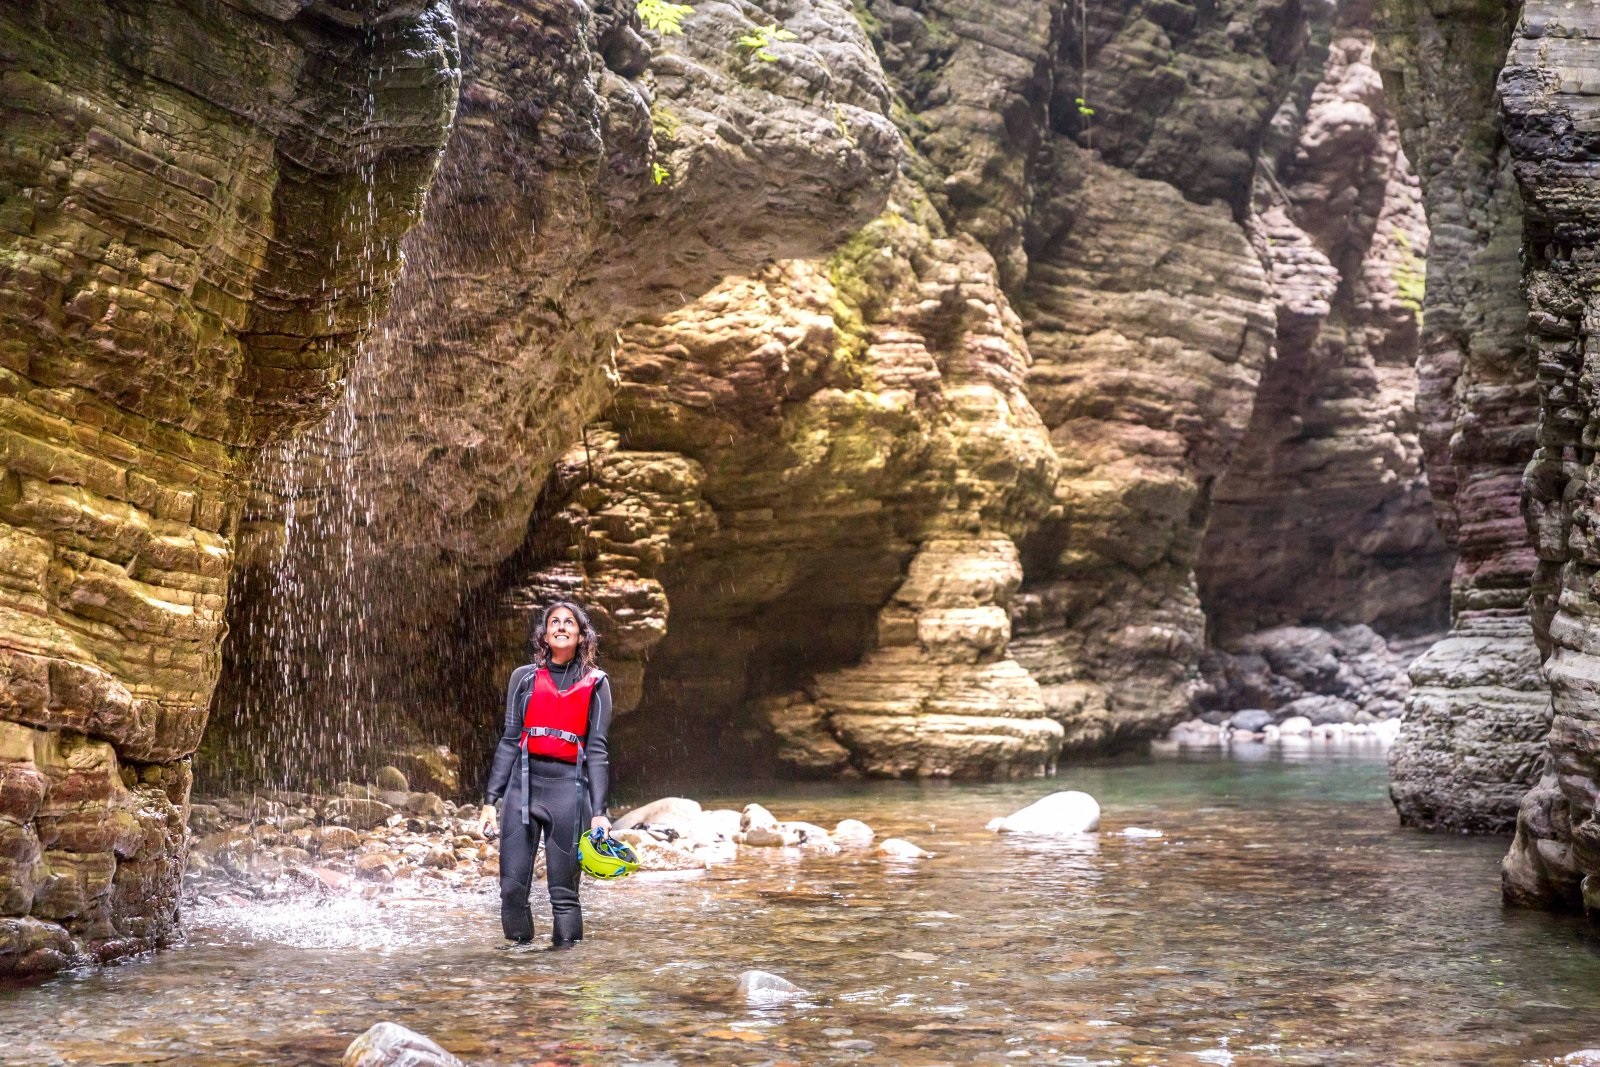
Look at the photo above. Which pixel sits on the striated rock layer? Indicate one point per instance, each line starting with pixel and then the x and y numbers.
pixel 931 501
pixel 592 178
pixel 803 463
pixel 1478 712
pixel 1552 125
pixel 1324 512
pixel 188 257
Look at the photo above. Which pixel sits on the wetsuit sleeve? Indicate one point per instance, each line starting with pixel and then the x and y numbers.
pixel 505 753
pixel 596 748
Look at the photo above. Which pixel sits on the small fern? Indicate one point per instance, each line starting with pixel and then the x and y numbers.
pixel 659 174
pixel 664 17
pixel 758 40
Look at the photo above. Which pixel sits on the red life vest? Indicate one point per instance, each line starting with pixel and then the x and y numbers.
pixel 550 709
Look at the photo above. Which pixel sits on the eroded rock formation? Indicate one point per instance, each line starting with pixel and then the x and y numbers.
pixel 550 227
pixel 1478 711
pixel 1551 127
pixel 188 257
pixel 809 462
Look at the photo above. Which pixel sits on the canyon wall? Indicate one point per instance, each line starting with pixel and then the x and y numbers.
pixel 1478 712
pixel 762 588
pixel 1551 105
pixel 202 203
pixel 593 177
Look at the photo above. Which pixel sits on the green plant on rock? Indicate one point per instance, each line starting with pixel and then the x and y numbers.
pixel 664 17
pixel 659 174
pixel 761 38
pixel 1410 277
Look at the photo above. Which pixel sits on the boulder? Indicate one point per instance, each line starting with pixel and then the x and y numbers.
pixel 391 780
pixel 721 823
pixel 812 837
pixel 853 833
pixel 428 805
pixel 1068 812
pixel 362 813
pixel 1320 710
pixel 429 767
pixel 334 838
pixel 658 855
pixel 777 835
pixel 392 1045
pixel 755 816
pixel 1295 726
pixel 680 813
pixel 896 848
pixel 1251 719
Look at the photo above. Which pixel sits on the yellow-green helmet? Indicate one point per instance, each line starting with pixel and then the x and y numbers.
pixel 604 856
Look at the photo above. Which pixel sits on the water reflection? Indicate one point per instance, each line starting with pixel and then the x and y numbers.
pixel 1283 918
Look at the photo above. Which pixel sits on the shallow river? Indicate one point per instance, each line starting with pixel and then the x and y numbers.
pixel 1283 918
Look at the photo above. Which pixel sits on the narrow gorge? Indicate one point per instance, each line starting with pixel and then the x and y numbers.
pixel 924 390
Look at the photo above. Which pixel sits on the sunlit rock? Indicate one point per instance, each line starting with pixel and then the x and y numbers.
pixel 853 833
pixel 1068 812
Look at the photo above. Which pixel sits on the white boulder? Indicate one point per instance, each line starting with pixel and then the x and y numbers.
pixel 853 833
pixel 1067 812
pixel 896 848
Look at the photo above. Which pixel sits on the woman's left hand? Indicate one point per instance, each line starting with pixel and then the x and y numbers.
pixel 600 822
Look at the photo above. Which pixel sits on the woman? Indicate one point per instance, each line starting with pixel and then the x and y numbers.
pixel 552 770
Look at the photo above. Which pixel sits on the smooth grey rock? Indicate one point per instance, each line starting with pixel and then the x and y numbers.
pixel 1321 710
pixel 1251 719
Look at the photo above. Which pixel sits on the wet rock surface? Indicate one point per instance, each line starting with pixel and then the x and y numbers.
pixel 202 217
pixel 284 845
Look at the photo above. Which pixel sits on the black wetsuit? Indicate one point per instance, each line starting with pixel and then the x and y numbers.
pixel 560 805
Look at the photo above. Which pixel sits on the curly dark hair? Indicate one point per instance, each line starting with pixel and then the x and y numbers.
pixel 588 639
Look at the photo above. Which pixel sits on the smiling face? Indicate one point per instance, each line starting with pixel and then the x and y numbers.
pixel 561 634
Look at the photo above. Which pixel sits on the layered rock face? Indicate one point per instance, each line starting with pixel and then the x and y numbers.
pixel 592 178
pixel 188 256
pixel 809 462
pixel 1478 712
pixel 1324 512
pixel 1221 308
pixel 933 504
pixel 1551 126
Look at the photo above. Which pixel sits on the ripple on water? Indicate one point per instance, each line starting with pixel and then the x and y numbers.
pixel 1283 918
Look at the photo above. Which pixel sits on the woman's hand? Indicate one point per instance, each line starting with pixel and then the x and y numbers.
pixel 488 821
pixel 600 822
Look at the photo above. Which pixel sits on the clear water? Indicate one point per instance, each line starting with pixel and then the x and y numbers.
pixel 1283 918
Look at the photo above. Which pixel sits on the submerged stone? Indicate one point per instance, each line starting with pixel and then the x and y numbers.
pixel 768 987
pixel 392 1045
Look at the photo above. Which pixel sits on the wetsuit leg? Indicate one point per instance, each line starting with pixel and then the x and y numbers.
pixel 518 845
pixel 565 802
